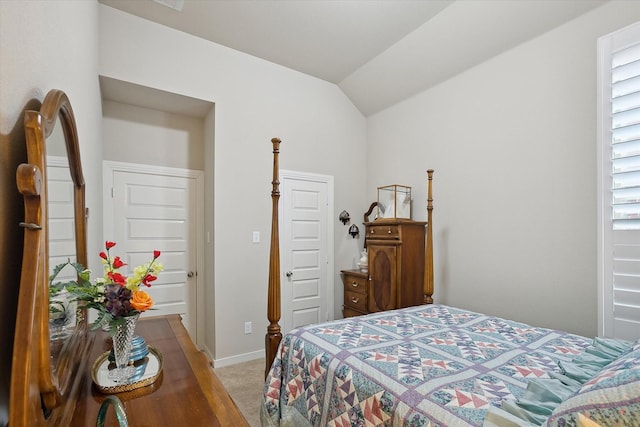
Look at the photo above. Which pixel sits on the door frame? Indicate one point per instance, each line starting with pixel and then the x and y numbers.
pixel 328 180
pixel 109 167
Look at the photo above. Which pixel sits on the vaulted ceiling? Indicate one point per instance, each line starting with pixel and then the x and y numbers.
pixel 378 52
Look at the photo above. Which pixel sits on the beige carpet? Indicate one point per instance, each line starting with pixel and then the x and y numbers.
pixel 244 382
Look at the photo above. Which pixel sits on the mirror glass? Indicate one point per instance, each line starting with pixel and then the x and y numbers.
pixel 62 243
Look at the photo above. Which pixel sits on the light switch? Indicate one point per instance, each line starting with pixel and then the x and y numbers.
pixel 256 237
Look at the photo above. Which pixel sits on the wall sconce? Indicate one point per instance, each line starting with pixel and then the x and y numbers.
pixel 353 230
pixel 344 217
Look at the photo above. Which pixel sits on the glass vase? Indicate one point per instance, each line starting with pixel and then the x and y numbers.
pixel 122 338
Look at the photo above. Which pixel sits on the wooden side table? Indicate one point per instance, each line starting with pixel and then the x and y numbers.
pixel 355 292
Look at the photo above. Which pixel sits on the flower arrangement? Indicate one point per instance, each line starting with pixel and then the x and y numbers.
pixel 115 296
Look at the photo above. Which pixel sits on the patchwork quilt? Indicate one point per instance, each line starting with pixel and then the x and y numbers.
pixel 430 365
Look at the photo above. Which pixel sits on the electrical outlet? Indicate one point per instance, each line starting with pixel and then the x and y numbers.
pixel 247 327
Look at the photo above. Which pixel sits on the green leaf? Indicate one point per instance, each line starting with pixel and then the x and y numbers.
pixel 82 274
pixel 100 321
pixel 56 270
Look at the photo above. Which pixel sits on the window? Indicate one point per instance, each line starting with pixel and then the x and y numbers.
pixel 619 184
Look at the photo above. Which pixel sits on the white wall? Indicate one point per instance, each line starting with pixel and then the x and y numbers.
pixel 513 145
pixel 143 135
pixel 321 132
pixel 53 45
pixel 44 45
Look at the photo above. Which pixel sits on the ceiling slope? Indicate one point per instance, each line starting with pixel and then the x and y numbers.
pixel 461 36
pixel 379 52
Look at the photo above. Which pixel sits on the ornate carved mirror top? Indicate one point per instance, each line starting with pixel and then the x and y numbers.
pixel 41 380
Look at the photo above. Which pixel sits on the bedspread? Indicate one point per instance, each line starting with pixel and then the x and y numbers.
pixel 430 365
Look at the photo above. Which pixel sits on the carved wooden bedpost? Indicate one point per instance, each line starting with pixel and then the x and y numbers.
pixel 428 270
pixel 274 336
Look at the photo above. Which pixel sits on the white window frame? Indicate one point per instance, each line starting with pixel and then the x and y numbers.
pixel 607 45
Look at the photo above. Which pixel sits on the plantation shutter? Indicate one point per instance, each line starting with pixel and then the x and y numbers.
pixel 625 141
pixel 621 188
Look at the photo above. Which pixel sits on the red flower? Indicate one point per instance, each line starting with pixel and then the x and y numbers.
pixel 156 254
pixel 117 278
pixel 103 255
pixel 117 262
pixel 147 279
pixel 109 244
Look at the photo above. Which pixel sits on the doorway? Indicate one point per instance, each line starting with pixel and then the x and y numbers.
pixel 151 208
pixel 306 243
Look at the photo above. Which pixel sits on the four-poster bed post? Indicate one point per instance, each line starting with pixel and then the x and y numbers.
pixel 428 259
pixel 274 335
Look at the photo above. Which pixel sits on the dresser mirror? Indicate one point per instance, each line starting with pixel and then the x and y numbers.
pixel 62 242
pixel 44 364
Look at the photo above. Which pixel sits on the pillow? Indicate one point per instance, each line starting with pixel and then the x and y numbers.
pixel 610 398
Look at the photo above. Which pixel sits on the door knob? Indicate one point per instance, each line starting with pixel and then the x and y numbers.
pixel 289 273
pixel 190 274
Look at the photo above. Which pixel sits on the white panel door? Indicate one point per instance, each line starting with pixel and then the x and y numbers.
pixel 61 226
pixel 157 212
pixel 305 238
pixel 62 242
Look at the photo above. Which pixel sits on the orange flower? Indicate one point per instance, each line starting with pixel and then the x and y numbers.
pixel 141 301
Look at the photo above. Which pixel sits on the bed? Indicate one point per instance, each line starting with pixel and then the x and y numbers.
pixel 436 365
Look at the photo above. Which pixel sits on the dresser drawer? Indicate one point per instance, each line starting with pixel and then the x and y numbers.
pixel 383 231
pixel 355 284
pixel 355 300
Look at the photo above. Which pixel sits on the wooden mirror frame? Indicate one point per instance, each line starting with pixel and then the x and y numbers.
pixel 36 387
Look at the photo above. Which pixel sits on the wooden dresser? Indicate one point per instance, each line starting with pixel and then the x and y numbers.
pixel 51 383
pixel 187 392
pixel 396 249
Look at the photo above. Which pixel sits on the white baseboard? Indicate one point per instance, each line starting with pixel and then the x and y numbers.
pixel 226 361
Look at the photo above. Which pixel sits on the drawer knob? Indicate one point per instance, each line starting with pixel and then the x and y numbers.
pixel 355 300
pixel 354 284
pixel 389 232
